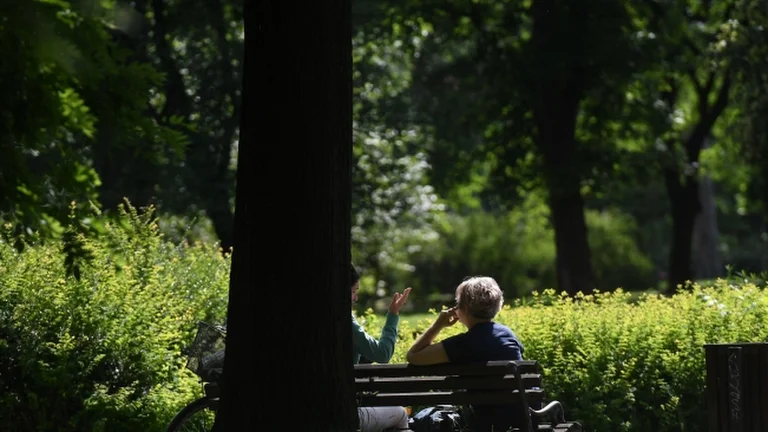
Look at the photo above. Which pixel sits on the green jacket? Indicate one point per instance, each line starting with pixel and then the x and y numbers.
pixel 379 351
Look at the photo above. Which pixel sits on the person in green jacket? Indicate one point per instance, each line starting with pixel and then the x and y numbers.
pixel 376 419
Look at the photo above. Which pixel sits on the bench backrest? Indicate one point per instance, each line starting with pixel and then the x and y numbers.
pixel 496 382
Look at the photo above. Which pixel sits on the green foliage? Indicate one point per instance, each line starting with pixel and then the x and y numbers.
pixel 621 365
pixel 748 40
pixel 65 82
pixel 617 260
pixel 646 76
pixel 42 113
pixel 519 249
pixel 101 350
pixel 198 47
pixel 395 209
pixel 188 228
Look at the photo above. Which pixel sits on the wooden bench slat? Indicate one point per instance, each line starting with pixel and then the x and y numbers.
pixel 402 370
pixel 565 427
pixel 491 383
pixel 415 384
pixel 451 398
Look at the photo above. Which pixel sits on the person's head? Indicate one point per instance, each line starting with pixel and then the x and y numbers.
pixel 478 299
pixel 355 279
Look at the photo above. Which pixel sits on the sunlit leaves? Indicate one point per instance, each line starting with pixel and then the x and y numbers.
pixel 100 349
pixel 394 209
pixel 622 363
pixel 66 80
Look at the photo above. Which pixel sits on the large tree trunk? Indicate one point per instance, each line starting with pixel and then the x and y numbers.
pixel 558 94
pixel 290 343
pixel 556 124
pixel 573 259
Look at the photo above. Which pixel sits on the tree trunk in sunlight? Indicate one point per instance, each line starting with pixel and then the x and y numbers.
pixel 707 263
pixel 289 347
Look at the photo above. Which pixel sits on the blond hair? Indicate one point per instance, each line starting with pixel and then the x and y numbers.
pixel 480 297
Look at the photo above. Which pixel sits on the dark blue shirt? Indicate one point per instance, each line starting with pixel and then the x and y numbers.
pixel 487 341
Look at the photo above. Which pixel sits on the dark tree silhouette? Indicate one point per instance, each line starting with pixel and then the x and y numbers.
pixel 289 346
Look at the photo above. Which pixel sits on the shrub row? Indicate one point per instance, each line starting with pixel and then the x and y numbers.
pixel 623 364
pixel 103 352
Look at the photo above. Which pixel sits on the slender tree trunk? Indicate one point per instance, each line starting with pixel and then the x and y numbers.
pixel 705 250
pixel 218 210
pixel 290 343
pixel 217 204
pixel 683 188
pixel 685 205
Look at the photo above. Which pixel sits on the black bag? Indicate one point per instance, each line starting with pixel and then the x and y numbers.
pixel 441 418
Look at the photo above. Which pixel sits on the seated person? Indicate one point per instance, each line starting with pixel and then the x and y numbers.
pixel 478 300
pixel 376 419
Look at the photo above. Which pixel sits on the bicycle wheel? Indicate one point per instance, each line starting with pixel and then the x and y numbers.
pixel 198 416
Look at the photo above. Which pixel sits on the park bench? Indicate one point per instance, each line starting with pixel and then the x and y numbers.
pixel 496 382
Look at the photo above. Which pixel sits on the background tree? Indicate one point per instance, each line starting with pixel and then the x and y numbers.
pixel 497 80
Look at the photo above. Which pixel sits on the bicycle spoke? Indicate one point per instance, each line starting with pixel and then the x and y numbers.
pixel 201 421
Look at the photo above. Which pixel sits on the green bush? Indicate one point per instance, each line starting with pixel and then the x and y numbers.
pixel 103 352
pixel 518 248
pixel 616 258
pixel 619 365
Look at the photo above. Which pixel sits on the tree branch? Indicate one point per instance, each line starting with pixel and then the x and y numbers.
pixel 230 84
pixel 692 46
pixel 695 141
pixel 176 100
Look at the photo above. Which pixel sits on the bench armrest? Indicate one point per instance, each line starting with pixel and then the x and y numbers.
pixel 554 411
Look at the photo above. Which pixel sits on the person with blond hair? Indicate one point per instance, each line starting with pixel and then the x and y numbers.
pixel 478 301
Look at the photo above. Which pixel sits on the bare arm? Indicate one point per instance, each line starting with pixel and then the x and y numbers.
pixel 423 351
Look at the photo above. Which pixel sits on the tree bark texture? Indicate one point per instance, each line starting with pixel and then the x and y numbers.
pixel 683 187
pixel 707 263
pixel 555 109
pixel 685 205
pixel 289 347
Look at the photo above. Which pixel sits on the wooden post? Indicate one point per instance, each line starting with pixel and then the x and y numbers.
pixel 737 387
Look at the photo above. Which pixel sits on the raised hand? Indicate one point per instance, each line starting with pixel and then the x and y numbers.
pixel 446 318
pixel 398 300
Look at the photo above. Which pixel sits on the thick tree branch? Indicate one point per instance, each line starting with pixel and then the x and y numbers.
pixel 695 141
pixel 695 50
